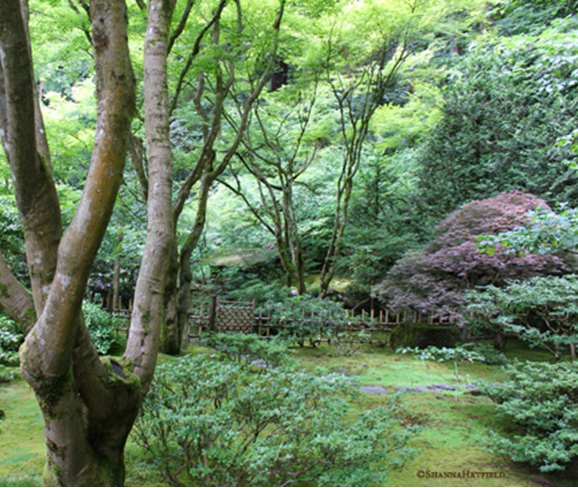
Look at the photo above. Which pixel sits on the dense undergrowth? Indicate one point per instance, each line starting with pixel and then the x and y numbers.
pixel 452 435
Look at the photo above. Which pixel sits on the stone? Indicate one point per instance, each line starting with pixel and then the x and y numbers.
pixel 374 390
pixel 445 386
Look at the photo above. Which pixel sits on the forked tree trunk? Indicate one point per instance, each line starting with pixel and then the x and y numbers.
pixel 88 404
pixel 207 169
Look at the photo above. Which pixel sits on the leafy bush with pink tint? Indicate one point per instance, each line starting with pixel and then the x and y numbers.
pixel 434 278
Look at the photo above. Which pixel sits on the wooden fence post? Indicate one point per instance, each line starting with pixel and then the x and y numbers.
pixel 213 313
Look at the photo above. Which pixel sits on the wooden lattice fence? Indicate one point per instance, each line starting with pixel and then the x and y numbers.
pixel 234 316
pixel 226 316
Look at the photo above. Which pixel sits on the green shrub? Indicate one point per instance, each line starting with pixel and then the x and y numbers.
pixel 308 317
pixel 542 311
pixel 101 326
pixel 10 340
pixel 6 374
pixel 216 423
pixel 541 399
pixel 246 348
pixel 489 353
pixel 349 342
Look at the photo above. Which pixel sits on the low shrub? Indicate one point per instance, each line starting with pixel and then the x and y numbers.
pixel 10 340
pixel 489 353
pixel 541 311
pixel 349 342
pixel 248 348
pixel 102 327
pixel 541 399
pixel 207 422
pixel 308 317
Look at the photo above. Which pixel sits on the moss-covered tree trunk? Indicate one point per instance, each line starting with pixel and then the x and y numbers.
pixel 88 403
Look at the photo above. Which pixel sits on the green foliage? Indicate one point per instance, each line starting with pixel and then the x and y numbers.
pixel 432 353
pixel 541 399
pixel 548 233
pixel 489 353
pixel 12 238
pixel 70 120
pixel 385 222
pixel 256 289
pixel 10 340
pixel 504 110
pixel 542 311
pixel 244 349
pixel 515 17
pixel 308 317
pixel 212 423
pixel 6 374
pixel 102 326
pixel 348 342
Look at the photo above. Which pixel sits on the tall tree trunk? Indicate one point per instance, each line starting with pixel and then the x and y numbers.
pixel 209 170
pixel 171 337
pixel 149 299
pixel 88 405
pixel 185 273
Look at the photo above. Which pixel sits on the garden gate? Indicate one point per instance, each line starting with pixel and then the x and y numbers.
pixel 230 316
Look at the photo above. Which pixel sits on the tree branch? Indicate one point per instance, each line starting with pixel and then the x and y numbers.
pixel 15 300
pixel 193 55
pixel 181 25
pixel 49 346
pixel 136 152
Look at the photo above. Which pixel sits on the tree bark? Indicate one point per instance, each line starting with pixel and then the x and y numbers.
pixel 15 300
pixel 116 278
pixel 207 169
pixel 149 299
pixel 170 335
pixel 185 274
pixel 88 404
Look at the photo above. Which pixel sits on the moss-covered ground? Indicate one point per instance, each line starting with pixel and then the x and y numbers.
pixel 451 439
pixel 22 450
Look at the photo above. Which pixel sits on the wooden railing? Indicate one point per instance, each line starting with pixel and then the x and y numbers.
pixel 365 327
pixel 374 326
